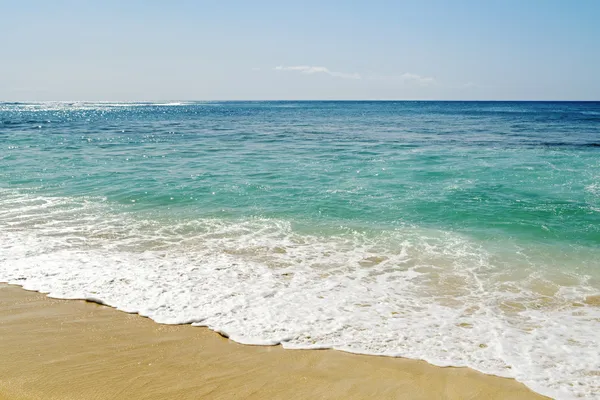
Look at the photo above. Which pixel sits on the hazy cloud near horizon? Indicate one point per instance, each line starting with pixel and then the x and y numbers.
pixel 305 69
pixel 405 77
pixel 149 50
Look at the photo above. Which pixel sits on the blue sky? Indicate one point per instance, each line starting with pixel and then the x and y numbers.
pixel 215 50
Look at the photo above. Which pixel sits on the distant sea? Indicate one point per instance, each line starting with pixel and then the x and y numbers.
pixel 460 233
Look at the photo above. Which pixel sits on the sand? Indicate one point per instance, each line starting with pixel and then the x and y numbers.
pixel 66 349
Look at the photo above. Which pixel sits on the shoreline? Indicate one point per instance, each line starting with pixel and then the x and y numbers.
pixel 71 349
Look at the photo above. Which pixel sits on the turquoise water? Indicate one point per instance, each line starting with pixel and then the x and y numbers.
pixel 471 228
pixel 528 170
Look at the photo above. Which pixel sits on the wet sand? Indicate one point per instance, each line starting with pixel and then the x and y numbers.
pixel 66 349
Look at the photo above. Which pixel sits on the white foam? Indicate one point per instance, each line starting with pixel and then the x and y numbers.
pixel 414 293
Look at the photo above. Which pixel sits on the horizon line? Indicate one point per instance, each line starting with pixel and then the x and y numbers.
pixel 300 100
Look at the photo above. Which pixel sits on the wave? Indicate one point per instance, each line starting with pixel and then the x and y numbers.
pixel 411 292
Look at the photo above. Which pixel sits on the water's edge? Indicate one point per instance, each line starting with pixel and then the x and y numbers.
pixel 100 302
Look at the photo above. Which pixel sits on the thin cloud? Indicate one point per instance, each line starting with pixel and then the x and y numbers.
pixel 406 77
pixel 307 69
pixel 422 80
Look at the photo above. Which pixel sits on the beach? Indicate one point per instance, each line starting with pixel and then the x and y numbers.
pixel 66 349
pixel 463 234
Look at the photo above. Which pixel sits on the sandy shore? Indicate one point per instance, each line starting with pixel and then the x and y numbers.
pixel 62 349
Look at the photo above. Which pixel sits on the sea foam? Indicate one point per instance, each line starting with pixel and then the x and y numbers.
pixel 410 292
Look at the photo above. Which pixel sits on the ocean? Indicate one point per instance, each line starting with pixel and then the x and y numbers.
pixel 460 233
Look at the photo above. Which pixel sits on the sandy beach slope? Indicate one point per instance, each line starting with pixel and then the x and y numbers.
pixel 63 349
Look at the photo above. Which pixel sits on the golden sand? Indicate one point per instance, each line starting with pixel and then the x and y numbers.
pixel 64 349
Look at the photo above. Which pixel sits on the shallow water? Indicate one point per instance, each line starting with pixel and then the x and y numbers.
pixel 461 233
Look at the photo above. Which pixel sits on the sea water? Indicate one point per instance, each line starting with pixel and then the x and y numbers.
pixel 460 233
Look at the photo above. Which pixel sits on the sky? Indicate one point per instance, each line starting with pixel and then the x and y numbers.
pixel 144 50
